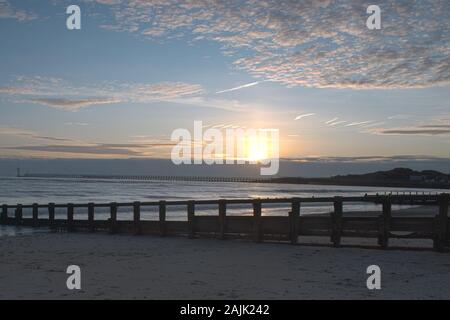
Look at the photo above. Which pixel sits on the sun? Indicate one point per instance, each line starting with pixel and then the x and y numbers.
pixel 257 148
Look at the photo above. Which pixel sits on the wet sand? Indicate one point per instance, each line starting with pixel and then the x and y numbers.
pixel 150 267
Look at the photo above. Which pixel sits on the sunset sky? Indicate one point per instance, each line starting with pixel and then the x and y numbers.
pixel 137 70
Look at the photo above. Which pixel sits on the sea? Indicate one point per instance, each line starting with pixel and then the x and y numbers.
pixel 14 190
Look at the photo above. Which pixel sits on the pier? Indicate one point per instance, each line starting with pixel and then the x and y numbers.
pixel 285 228
pixel 144 177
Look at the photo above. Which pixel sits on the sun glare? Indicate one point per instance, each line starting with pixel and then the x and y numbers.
pixel 257 148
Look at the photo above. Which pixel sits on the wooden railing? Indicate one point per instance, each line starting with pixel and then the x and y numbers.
pixel 259 227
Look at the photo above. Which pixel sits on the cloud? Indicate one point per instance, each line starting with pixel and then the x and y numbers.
pixel 365 159
pixel 221 104
pixel 57 93
pixel 331 120
pixel 76 149
pixel 97 149
pixel 76 124
pixel 7 11
pixel 436 126
pixel 332 124
pixel 67 104
pixel 17 132
pixel 240 87
pixel 304 116
pixel 404 131
pixel 65 146
pixel 308 43
pixel 440 126
pixel 358 123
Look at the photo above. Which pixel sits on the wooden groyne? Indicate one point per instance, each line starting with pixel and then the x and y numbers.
pixel 287 228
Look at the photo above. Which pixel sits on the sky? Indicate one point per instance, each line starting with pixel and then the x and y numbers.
pixel 137 70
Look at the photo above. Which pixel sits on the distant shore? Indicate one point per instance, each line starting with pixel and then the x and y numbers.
pixel 328 181
pixel 359 183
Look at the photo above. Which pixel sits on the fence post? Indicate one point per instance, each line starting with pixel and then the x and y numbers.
pixel 70 217
pixel 336 221
pixel 137 217
pixel 113 218
pixel 18 214
pixel 162 218
pixel 385 222
pixel 442 221
pixel 222 218
pixel 91 221
pixel 294 216
pixel 258 237
pixel 35 214
pixel 191 218
pixel 4 217
pixel 51 216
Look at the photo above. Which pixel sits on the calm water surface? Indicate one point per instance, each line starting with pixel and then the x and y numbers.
pixel 61 190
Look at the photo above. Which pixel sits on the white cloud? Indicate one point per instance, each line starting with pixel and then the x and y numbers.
pixel 240 87
pixel 57 93
pixel 353 124
pixel 331 120
pixel 7 11
pixel 304 116
pixel 69 104
pixel 438 126
pixel 309 43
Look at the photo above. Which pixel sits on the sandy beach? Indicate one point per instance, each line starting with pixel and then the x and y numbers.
pixel 149 267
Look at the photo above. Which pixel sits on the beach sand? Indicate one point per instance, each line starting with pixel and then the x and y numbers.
pixel 151 267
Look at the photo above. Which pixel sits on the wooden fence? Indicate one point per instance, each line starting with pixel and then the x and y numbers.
pixel 258 227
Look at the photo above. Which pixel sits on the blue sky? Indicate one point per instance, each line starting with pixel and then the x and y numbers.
pixel 137 70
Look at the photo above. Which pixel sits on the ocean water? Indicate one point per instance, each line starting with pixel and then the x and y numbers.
pixel 62 190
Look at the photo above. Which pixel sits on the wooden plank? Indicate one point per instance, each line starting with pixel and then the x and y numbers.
pixel 137 217
pixel 385 224
pixel 162 218
pixel 4 217
pixel 257 230
pixel 206 224
pixel 276 225
pixel 360 234
pixel 91 212
pixel 294 216
pixel 240 225
pixel 150 227
pixel 51 215
pixel 336 222
pixel 222 218
pixel 442 221
pixel 360 224
pixel 113 218
pixel 18 215
pixel 191 219
pixel 412 224
pixel 35 212
pixel 70 212
pixel 177 227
